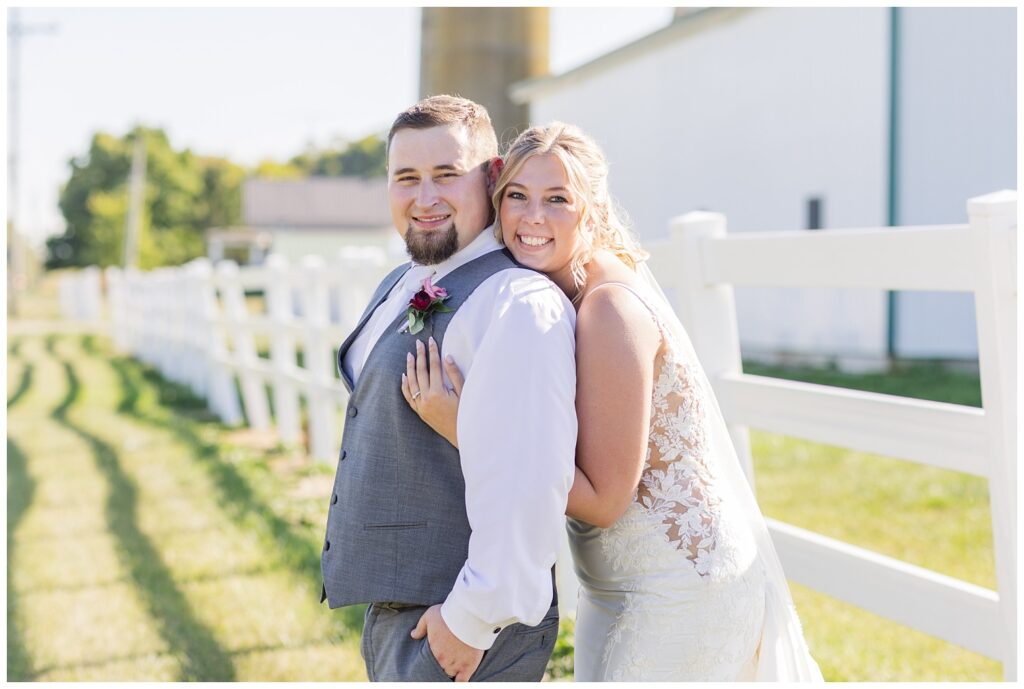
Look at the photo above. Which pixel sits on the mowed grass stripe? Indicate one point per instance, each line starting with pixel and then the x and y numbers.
pixel 24 379
pixel 20 491
pixel 252 575
pixel 238 497
pixel 60 618
pixel 188 639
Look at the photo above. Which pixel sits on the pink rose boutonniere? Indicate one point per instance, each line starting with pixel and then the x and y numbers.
pixel 429 300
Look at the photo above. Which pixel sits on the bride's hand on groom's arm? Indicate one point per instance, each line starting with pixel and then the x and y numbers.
pixel 424 389
pixel 457 659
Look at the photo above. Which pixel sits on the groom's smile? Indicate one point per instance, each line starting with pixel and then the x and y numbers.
pixel 431 222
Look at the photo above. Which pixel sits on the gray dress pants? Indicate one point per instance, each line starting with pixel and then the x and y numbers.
pixel 519 653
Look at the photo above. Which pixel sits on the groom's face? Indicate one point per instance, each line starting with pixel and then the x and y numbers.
pixel 437 190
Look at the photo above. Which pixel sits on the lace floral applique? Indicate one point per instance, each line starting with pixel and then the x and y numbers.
pixel 684 562
pixel 678 483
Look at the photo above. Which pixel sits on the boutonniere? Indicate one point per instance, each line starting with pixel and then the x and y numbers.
pixel 429 300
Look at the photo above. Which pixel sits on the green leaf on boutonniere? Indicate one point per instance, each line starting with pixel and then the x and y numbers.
pixel 415 324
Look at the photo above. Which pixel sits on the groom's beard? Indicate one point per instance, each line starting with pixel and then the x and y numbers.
pixel 431 248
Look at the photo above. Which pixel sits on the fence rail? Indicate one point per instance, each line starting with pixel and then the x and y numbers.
pixel 699 266
pixel 195 324
pixel 802 259
pixel 947 436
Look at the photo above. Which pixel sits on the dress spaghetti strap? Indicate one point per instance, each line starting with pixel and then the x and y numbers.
pixel 654 313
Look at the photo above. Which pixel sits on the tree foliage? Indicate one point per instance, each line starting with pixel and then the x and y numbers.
pixel 363 158
pixel 185 194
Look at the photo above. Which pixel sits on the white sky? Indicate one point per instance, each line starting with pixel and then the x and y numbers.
pixel 247 84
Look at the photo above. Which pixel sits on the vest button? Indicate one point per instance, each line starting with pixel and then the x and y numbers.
pixel 352 411
pixel 497 629
pixel 344 453
pixel 334 499
pixel 327 545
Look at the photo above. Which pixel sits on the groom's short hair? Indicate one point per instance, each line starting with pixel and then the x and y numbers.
pixel 439 111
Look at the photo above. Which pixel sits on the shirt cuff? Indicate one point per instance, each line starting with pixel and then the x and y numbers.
pixel 469 628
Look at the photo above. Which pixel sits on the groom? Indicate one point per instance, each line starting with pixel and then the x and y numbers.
pixel 453 547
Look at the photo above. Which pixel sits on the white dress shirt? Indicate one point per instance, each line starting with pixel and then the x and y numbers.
pixel 513 339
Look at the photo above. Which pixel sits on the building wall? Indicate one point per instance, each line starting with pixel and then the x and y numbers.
pixel 295 244
pixel 752 115
pixel 957 139
pixel 316 201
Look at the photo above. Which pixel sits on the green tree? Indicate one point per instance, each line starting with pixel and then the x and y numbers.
pixel 101 170
pixel 184 194
pixel 269 169
pixel 222 192
pixel 363 158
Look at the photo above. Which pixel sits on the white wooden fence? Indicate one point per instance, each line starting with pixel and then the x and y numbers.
pixel 80 297
pixel 698 267
pixel 193 323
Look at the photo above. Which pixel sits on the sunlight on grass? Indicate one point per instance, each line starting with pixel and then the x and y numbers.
pixel 87 626
pixel 233 528
pixel 929 517
pixel 853 645
pixel 227 575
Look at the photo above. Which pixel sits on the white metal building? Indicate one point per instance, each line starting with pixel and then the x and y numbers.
pixel 785 119
pixel 315 215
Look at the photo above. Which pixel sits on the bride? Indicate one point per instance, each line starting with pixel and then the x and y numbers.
pixel 679 578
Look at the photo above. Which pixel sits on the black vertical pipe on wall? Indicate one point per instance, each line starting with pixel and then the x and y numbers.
pixel 893 214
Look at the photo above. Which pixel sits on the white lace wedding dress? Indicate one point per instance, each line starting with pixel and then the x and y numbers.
pixel 675 590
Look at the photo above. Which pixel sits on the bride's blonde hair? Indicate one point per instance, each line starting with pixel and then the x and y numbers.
pixel 602 224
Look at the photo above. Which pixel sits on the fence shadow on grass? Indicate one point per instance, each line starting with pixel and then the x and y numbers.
pixel 238 498
pixel 187 637
pixel 21 489
pixel 23 385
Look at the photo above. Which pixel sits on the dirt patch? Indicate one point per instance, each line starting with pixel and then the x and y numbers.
pixel 312 487
pixel 252 439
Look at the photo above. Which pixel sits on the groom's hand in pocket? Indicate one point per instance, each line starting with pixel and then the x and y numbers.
pixel 457 659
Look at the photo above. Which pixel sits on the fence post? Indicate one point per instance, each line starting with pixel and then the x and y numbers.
pixel 993 221
pixel 282 349
pixel 163 344
pixel 708 311
pixel 146 309
pixel 178 302
pixel 65 292
pixel 90 294
pixel 244 356
pixel 221 383
pixel 359 269
pixel 137 315
pixel 194 336
pixel 316 356
pixel 129 324
pixel 115 299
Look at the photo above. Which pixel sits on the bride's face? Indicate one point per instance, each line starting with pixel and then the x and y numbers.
pixel 540 217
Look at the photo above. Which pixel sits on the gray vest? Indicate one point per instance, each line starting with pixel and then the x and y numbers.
pixel 397 529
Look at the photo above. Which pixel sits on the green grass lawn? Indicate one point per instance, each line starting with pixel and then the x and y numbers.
pixel 929 517
pixel 147 541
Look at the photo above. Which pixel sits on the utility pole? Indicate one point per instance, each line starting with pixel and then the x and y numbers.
pixel 16 279
pixel 136 196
